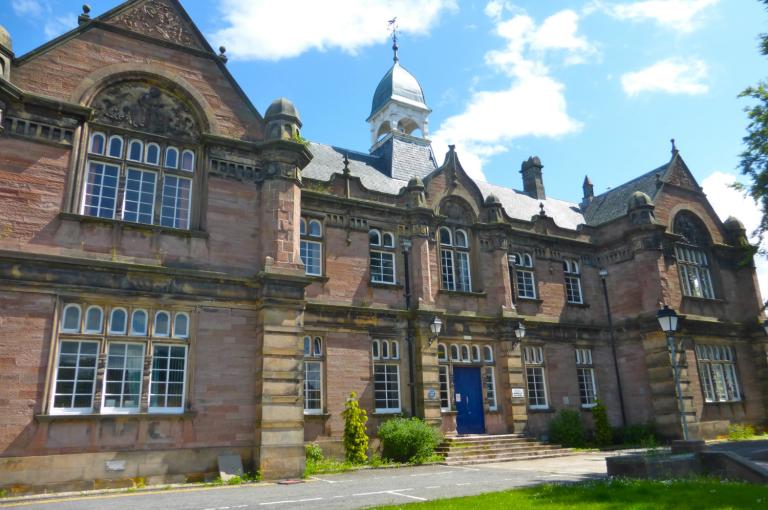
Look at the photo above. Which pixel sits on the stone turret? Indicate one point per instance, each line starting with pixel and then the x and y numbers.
pixel 282 120
pixel 533 184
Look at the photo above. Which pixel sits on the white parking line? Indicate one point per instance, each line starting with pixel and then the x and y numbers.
pixel 322 480
pixel 463 468
pixel 433 474
pixel 289 501
pixel 432 487
pixel 395 492
pixel 462 484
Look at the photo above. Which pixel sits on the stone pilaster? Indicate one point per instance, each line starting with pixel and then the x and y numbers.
pixel 427 376
pixel 512 378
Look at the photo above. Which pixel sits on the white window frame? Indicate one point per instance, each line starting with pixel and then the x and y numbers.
pixel 525 276
pixel 489 387
pixel 444 387
pixel 454 259
pixel 311 239
pixel 476 358
pixel 64 316
pixel 73 410
pixel 124 331
pixel 387 410
pixel 314 357
pixel 168 409
pixel 141 193
pixel 573 282
pixel 488 354
pixel 445 352
pixel 145 332
pixel 585 372
pixel 108 148
pixel 167 334
pixel 88 331
pixel 533 359
pixel 121 409
pixel 718 373
pixel 85 203
pixel 176 334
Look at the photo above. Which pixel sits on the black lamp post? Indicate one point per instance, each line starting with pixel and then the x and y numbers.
pixel 603 276
pixel 435 327
pixel 519 333
pixel 668 321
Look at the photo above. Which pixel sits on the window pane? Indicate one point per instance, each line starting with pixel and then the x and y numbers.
pixel 188 161
pixel 587 392
pixel 97 143
pixel 76 376
pixel 171 157
pixel 310 255
pixel 315 229
pixel 525 285
pixel 93 320
pixel 181 325
pixel 71 319
pixel 490 387
pixel 153 154
pixel 382 266
pixel 174 210
pixel 168 364
pixel 374 238
pixel 139 198
pixel 116 147
pixel 537 394
pixel 446 266
pixel 135 150
pixel 442 355
pixel 139 323
pixel 386 387
pixel 573 289
pixel 162 324
pixel 312 386
pixel 100 195
pixel 463 282
pixel 123 376
pixel 118 321
pixel 445 401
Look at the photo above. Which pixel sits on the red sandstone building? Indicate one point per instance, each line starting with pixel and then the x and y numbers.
pixel 182 277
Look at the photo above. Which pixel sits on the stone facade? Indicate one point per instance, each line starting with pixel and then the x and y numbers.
pixel 259 278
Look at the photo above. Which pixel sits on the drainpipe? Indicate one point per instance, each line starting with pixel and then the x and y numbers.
pixel 603 275
pixel 406 244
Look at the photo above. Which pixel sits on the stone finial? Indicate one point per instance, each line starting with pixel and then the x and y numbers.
pixel 85 17
pixel 541 209
pixel 589 191
pixel 415 193
pixel 346 165
pixel 674 147
pixel 222 54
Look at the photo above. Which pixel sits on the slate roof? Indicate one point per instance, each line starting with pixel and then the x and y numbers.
pixel 400 85
pixel 613 203
pixel 329 160
pixel 521 206
pixel 404 159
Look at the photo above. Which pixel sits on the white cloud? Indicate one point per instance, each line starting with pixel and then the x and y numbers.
pixel 727 201
pixel 681 15
pixel 672 76
pixel 256 29
pixel 27 7
pixel 533 104
pixel 57 25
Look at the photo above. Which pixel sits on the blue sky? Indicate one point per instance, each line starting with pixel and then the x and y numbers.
pixel 593 87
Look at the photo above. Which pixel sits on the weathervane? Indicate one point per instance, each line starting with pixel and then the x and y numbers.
pixel 393 27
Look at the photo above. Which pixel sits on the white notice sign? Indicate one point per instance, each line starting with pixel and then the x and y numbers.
pixel 518 393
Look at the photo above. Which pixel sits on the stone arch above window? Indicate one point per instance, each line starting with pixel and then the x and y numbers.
pixel 139 105
pixel 692 229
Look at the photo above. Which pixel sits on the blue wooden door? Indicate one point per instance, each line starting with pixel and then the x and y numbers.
pixel 468 394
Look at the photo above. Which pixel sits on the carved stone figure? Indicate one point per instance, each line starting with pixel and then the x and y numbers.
pixel 690 227
pixel 137 105
pixel 457 210
pixel 158 18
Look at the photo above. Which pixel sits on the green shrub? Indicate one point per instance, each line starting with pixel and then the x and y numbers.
pixel 635 434
pixel 566 429
pixel 603 430
pixel 313 452
pixel 355 436
pixel 408 440
pixel 738 432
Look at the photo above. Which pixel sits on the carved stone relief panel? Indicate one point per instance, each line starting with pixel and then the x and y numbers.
pixel 457 210
pixel 139 105
pixel 159 19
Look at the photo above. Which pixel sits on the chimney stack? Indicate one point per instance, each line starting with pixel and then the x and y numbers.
pixel 533 185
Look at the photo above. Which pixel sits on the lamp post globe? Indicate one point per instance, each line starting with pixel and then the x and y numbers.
pixel 667 319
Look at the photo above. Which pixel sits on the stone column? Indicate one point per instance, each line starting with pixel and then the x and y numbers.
pixel 513 380
pixel 427 376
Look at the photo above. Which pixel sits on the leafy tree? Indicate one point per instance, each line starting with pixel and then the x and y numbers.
pixel 355 436
pixel 754 159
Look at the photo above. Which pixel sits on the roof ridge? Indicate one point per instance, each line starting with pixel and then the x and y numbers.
pixel 627 183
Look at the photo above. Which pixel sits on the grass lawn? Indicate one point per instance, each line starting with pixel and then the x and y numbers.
pixel 694 494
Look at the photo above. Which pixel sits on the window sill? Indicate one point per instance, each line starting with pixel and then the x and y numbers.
pixel 317 278
pixel 382 285
pixel 48 418
pixel 387 412
pixel 478 294
pixel 316 415
pixel 587 407
pixel 540 410
pixel 576 305
pixel 724 403
pixel 703 299
pixel 127 225
pixel 519 299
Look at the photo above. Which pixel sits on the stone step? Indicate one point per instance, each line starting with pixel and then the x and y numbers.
pixel 517 440
pixel 454 454
pixel 494 447
pixel 474 437
pixel 510 458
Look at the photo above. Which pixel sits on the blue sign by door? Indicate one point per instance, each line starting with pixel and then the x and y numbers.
pixel 468 394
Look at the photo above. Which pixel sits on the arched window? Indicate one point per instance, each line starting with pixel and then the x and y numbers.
pixel 522 274
pixel 375 350
pixel 307 346
pixel 488 353
pixel 311 249
pixel 94 319
pixel 692 256
pixel 181 325
pixel 70 319
pixel 162 325
pixel 118 321
pixel 475 353
pixel 572 281
pixel 455 353
pixel 454 260
pixel 135 151
pixel 115 146
pixel 465 353
pixel 382 257
pixel 188 161
pixel 394 349
pixel 384 349
pixel 152 157
pixel 139 323
pixel 442 353
pixel 317 346
pixel 97 143
pixel 171 157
